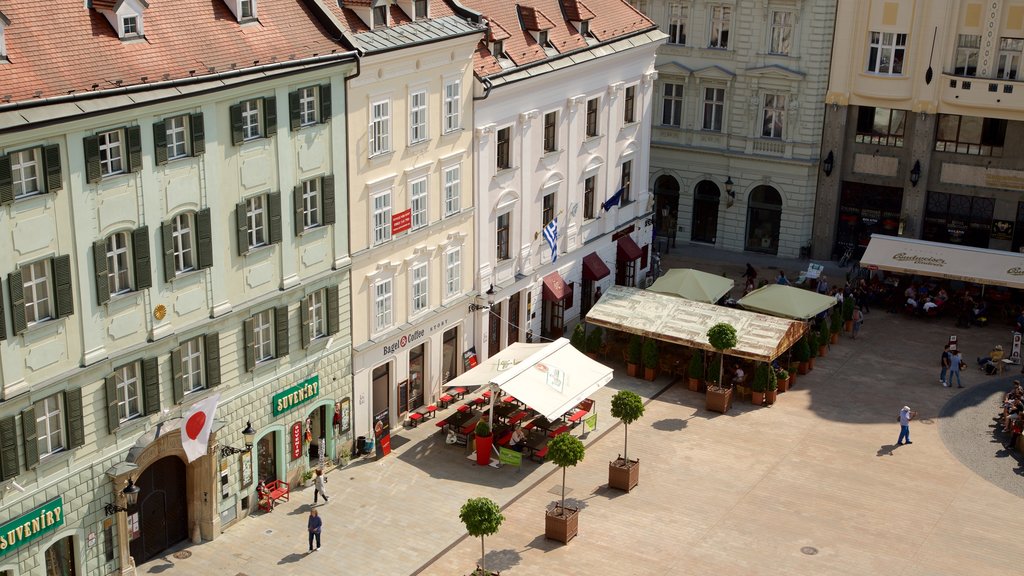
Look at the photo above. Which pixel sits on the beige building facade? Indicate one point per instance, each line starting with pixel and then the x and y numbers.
pixel 737 121
pixel 922 109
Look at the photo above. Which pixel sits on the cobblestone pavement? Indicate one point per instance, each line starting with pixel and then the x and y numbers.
pixel 812 485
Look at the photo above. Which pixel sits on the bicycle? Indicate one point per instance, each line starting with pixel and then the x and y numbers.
pixel 846 257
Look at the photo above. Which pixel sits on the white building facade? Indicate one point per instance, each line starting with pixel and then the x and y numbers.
pixel 555 141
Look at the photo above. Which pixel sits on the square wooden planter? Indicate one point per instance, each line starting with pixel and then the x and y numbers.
pixel 623 474
pixel 718 399
pixel 561 524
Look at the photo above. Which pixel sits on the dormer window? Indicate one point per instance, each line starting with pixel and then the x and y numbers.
pixel 125 16
pixel 584 28
pixel 419 8
pixel 498 49
pixel 542 38
pixel 4 23
pixel 380 16
pixel 130 26
pixel 246 9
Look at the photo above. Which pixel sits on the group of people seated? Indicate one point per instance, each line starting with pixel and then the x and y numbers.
pixel 1012 416
pixel 919 299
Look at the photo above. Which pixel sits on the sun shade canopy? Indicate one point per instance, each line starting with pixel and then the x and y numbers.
pixel 594 268
pixel 686 322
pixel 909 256
pixel 787 301
pixel 554 289
pixel 627 249
pixel 693 285
pixel 487 370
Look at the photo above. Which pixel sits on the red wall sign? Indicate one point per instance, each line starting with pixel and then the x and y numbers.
pixel 296 440
pixel 402 221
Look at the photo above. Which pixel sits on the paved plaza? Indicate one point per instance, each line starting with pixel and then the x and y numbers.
pixel 812 485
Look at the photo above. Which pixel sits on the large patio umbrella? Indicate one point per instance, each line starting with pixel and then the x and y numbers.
pixel 787 302
pixel 693 285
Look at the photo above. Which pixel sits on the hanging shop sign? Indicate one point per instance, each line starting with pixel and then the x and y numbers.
pixel 401 221
pixel 296 395
pixel 296 440
pixel 32 525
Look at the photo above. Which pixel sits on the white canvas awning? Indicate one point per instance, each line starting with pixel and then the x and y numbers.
pixel 554 379
pixel 909 256
pixel 487 370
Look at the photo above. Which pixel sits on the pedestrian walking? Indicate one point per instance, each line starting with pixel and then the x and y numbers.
pixel 906 415
pixel 315 524
pixel 946 363
pixel 956 364
pixel 318 485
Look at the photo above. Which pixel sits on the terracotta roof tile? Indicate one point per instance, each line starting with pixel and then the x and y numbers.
pixel 54 56
pixel 533 19
pixel 105 4
pixel 611 19
pixel 353 25
pixel 496 32
pixel 576 11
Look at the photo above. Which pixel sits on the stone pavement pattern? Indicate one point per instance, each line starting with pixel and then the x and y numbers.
pixel 743 493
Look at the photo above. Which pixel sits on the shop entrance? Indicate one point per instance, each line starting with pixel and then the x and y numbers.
pixel 417 375
pixel 318 426
pixel 449 355
pixel 161 513
pixel 706 198
pixel 266 457
pixel 60 558
pixel 764 218
pixel 381 388
pixel 513 318
pixel 866 209
pixel 666 208
pixel 494 329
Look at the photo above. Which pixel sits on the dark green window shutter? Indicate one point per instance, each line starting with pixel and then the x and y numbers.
pixel 51 160
pixel 304 334
pixel 293 111
pixel 333 310
pixel 270 116
pixel 28 436
pixel 204 239
pixel 198 131
pixel 113 417
pixel 62 286
pixel 16 292
pixel 242 228
pixel 140 252
pixel 299 210
pixel 325 103
pixel 73 411
pixel 167 239
pixel 8 448
pixel 150 386
pixel 250 355
pixel 236 124
pixel 134 137
pixel 160 142
pixel 3 321
pixel 211 349
pixel 328 210
pixel 92 159
pixel 274 217
pixel 102 274
pixel 6 181
pixel 177 382
pixel 280 331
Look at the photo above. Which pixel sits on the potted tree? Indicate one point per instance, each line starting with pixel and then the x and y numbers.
pixel 782 377
pixel 812 345
pixel 848 305
pixel 823 339
pixel 760 384
pixel 484 441
pixel 594 342
pixel 579 338
pixel 482 517
pixel 650 354
pixel 696 370
pixel 802 351
pixel 771 393
pixel 722 337
pixel 561 523
pixel 633 355
pixel 624 473
pixel 836 325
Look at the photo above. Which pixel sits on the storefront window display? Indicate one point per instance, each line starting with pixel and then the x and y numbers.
pixel 764 218
pixel 266 457
pixel 958 219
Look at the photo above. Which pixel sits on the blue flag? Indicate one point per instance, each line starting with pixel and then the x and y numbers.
pixel 614 200
pixel 551 235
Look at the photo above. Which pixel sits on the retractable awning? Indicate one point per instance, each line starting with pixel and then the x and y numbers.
pixel 966 263
pixel 594 268
pixel 787 301
pixel 627 249
pixel 487 370
pixel 681 321
pixel 554 289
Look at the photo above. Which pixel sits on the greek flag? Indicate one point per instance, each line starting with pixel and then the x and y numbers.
pixel 551 235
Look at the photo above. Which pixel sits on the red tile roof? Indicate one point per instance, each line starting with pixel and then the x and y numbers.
pixel 51 56
pixel 353 24
pixel 611 19
pixel 576 11
pixel 533 19
pixel 496 32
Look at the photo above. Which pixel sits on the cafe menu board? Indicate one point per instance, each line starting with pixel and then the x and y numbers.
pixel 382 433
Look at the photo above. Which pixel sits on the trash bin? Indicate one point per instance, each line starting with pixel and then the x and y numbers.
pixel 368 446
pixel 360 445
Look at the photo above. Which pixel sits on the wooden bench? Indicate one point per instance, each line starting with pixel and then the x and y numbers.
pixel 276 491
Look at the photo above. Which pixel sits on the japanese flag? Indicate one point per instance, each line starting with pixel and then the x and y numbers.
pixel 195 429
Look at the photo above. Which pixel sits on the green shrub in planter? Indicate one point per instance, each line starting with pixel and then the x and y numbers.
pixel 628 407
pixel 802 350
pixel 722 337
pixel 762 376
pixel 650 352
pixel 697 365
pixel 811 338
pixel 595 339
pixel 565 450
pixel 823 337
pixel 483 429
pixel 781 374
pixel 635 348
pixel 837 322
pixel 482 517
pixel 848 305
pixel 579 338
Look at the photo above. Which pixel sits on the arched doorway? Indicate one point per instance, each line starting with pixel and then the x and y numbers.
pixel 60 558
pixel 666 208
pixel 161 512
pixel 706 198
pixel 764 216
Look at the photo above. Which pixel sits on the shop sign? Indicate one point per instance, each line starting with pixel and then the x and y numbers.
pixel 296 395
pixel 403 341
pixel 401 221
pixel 1002 230
pixel 510 457
pixel 469 360
pixel 382 433
pixel 32 525
pixel 296 439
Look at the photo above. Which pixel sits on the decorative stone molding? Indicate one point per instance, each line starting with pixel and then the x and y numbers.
pixel 574 102
pixel 650 77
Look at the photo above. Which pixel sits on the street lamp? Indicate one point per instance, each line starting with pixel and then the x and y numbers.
pixel 249 434
pixel 729 191
pixel 915 173
pixel 130 495
pixel 829 163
